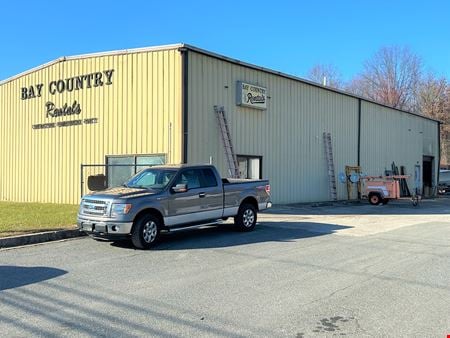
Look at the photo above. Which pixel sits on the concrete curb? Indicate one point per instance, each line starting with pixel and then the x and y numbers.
pixel 39 237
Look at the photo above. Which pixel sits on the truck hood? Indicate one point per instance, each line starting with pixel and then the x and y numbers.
pixel 122 192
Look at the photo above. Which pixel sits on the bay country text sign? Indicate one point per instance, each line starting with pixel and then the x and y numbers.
pixel 80 82
pixel 250 95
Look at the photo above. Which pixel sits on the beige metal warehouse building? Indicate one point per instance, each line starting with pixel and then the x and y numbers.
pixel 154 105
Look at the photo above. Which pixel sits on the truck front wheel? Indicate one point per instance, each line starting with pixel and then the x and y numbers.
pixel 245 220
pixel 145 232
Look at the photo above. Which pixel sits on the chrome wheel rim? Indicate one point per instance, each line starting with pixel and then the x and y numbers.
pixel 150 231
pixel 248 218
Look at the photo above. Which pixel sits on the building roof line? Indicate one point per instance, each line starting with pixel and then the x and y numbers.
pixel 211 54
pixel 91 55
pixel 302 80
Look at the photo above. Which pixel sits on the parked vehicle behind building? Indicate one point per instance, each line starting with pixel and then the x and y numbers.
pixel 444 182
pixel 169 198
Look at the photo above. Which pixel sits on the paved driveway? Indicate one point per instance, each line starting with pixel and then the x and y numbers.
pixel 329 271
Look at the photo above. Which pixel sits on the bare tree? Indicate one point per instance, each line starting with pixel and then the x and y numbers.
pixel 391 76
pixel 326 75
pixel 445 131
pixel 432 97
pixel 433 100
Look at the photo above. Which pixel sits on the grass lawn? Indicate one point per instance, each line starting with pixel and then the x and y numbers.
pixel 23 218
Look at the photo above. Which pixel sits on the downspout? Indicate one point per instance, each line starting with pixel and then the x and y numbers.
pixel 359 146
pixel 359 132
pixel 184 102
pixel 438 164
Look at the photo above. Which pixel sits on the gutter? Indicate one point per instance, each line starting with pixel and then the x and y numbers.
pixel 359 132
pixel 439 156
pixel 184 102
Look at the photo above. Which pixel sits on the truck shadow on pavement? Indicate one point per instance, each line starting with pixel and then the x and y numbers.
pixel 226 236
pixel 15 276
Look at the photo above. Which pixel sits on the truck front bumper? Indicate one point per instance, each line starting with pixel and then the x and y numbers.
pixel 104 228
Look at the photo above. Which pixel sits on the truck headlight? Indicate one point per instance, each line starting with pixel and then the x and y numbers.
pixel 120 209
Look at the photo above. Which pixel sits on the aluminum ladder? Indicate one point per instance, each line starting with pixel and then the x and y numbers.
pixel 330 166
pixel 233 167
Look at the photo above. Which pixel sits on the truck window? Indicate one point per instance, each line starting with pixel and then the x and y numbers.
pixel 151 179
pixel 148 178
pixel 209 179
pixel 191 177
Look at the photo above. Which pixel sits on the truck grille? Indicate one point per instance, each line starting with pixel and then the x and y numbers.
pixel 94 207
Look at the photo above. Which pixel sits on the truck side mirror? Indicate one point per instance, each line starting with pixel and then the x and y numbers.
pixel 97 182
pixel 180 188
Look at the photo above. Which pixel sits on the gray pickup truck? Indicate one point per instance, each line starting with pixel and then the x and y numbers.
pixel 169 198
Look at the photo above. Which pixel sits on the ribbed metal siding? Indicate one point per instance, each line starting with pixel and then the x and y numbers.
pixel 134 115
pixel 288 134
pixel 391 136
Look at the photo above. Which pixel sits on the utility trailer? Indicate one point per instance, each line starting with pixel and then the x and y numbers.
pixel 381 189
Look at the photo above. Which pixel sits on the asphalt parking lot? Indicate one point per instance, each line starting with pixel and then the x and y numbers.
pixel 345 270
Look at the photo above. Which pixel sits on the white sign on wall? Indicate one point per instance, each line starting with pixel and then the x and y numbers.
pixel 249 95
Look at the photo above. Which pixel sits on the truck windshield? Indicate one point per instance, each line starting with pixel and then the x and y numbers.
pixel 156 179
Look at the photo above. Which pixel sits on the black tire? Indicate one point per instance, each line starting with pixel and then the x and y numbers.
pixel 245 220
pixel 374 198
pixel 145 232
pixel 385 201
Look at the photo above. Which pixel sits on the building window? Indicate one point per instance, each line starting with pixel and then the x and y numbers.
pixel 250 166
pixel 121 168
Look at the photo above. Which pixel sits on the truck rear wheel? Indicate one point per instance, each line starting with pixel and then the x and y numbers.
pixel 145 232
pixel 245 220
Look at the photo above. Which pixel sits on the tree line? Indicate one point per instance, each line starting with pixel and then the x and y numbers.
pixel 396 76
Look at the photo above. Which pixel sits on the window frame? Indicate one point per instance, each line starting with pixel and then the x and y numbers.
pixel 248 158
pixel 134 165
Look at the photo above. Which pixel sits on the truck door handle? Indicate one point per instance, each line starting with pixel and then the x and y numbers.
pixel 201 195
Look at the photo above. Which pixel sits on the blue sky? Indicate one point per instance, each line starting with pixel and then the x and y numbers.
pixel 289 36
